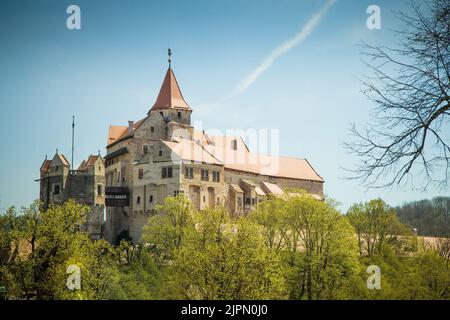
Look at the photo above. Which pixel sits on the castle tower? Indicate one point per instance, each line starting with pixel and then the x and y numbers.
pixel 85 185
pixel 170 102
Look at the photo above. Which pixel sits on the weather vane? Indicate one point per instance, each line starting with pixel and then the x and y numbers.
pixel 169 53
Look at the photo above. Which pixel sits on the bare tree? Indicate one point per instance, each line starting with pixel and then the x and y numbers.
pixel 409 130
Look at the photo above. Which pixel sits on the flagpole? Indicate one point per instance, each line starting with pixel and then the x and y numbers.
pixel 73 134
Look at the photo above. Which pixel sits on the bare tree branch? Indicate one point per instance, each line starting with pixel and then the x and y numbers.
pixel 409 133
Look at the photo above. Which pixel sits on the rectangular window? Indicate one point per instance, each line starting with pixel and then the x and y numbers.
pixel 150 198
pixel 145 148
pixel 56 189
pixel 177 192
pixel 188 172
pixel 253 201
pixel 141 173
pixel 234 144
pixel 160 152
pixel 216 176
pixel 248 200
pixel 166 172
pixel 204 175
pixel 99 190
pixel 138 199
pixel 152 129
pixel 179 115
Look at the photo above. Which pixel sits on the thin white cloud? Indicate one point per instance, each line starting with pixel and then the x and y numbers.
pixel 276 53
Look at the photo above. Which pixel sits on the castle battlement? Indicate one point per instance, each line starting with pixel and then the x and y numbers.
pixel 86 185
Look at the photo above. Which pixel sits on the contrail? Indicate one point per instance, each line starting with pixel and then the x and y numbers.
pixel 309 27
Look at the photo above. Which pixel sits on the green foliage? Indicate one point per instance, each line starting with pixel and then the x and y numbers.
pixel 271 215
pixel 166 230
pixel 38 246
pixel 139 276
pixel 224 259
pixel 317 243
pixel 425 276
pixel 292 246
pixel 376 225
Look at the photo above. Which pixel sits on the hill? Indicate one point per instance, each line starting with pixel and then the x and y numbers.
pixel 430 217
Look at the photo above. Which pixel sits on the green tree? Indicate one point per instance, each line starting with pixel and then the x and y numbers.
pixel 271 215
pixel 225 259
pixel 316 242
pixel 327 259
pixel 419 277
pixel 38 246
pixel 139 276
pixel 166 230
pixel 376 225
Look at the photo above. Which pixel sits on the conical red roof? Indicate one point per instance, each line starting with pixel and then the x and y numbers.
pixel 170 95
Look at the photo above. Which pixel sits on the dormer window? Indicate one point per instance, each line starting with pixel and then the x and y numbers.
pixel 179 115
pixel 234 144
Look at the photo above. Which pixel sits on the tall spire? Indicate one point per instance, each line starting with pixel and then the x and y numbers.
pixel 170 96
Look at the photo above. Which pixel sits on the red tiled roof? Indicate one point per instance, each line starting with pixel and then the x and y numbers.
pixel 272 188
pixel 91 160
pixel 45 166
pixel 259 191
pixel 63 160
pixel 170 95
pixel 245 161
pixel 120 133
pixel 115 132
pixel 264 164
pixel 236 188
pixel 189 150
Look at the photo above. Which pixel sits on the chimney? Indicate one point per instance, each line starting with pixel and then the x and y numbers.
pixel 130 126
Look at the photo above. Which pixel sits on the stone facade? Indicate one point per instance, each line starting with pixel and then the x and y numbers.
pixel 85 185
pixel 163 155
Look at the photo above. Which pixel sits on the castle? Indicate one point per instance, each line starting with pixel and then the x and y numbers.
pixel 58 183
pixel 163 155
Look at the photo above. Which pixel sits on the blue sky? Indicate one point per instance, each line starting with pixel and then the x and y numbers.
pixel 110 71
